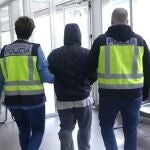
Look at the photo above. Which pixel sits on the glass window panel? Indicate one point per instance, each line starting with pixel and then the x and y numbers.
pixel 106 14
pixel 79 16
pixel 5 27
pixel 59 26
pixel 58 2
pixel 5 38
pixel 122 3
pixel 109 6
pixel 42 35
pixel 141 21
pixel 72 14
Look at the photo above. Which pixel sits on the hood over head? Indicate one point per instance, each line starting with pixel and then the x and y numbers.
pixel 72 35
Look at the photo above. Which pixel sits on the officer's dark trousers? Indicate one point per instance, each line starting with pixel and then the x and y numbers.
pixel 31 124
pixel 68 118
pixel 109 106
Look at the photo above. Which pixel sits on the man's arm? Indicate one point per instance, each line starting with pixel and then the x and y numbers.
pixel 44 73
pixel 51 62
pixel 1 82
pixel 146 70
pixel 92 62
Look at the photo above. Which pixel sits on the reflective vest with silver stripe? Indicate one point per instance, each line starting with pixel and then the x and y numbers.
pixel 18 63
pixel 120 66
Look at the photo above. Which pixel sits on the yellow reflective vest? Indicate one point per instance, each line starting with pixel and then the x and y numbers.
pixel 120 66
pixel 18 63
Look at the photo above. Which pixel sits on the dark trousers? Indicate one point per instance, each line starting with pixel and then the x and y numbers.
pixel 109 106
pixel 68 118
pixel 31 125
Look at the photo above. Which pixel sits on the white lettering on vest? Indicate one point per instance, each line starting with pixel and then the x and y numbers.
pixel 111 41
pixel 18 49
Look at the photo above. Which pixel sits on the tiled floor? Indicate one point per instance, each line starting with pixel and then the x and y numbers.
pixel 9 135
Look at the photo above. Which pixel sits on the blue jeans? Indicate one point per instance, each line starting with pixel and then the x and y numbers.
pixel 109 106
pixel 31 125
pixel 68 118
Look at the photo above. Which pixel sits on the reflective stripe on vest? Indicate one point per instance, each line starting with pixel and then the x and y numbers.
pixel 26 80
pixel 120 66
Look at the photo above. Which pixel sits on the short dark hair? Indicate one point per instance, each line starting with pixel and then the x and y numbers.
pixel 24 27
pixel 119 16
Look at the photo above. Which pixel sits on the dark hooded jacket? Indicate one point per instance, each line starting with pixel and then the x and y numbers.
pixel 121 33
pixel 67 63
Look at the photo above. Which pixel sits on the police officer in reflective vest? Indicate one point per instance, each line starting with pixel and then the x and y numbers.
pixel 122 60
pixel 23 69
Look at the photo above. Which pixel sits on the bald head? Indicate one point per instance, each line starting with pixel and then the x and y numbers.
pixel 119 16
